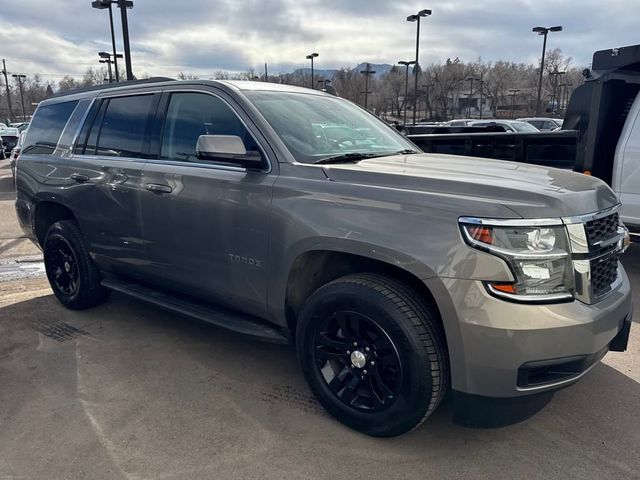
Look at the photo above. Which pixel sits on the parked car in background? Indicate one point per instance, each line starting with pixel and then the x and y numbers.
pixel 460 122
pixel 15 153
pixel 9 136
pixel 512 126
pixel 21 126
pixel 543 124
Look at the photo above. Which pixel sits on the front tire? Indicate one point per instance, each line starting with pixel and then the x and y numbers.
pixel 373 353
pixel 72 274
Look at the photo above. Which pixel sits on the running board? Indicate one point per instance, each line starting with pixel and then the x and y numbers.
pixel 215 315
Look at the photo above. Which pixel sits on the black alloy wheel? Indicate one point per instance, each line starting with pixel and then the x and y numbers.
pixel 73 275
pixel 358 360
pixel 373 352
pixel 61 262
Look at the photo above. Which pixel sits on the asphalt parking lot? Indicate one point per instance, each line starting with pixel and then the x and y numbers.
pixel 127 390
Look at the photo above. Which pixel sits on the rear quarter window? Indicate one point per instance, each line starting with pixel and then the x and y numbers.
pixel 46 127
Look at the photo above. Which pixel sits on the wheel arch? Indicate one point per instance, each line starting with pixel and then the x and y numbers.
pixel 46 213
pixel 311 269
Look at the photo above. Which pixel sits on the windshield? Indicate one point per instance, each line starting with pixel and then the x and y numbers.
pixel 317 127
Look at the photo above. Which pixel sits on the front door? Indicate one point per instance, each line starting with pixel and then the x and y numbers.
pixel 206 223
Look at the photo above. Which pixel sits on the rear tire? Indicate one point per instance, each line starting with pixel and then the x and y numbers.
pixel 373 353
pixel 72 273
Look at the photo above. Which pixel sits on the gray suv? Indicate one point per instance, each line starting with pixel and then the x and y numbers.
pixel 398 276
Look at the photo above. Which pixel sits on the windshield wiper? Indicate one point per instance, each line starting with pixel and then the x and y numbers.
pixel 346 158
pixel 355 156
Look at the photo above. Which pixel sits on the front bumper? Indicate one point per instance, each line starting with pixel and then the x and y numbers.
pixel 490 339
pixel 509 351
pixel 508 359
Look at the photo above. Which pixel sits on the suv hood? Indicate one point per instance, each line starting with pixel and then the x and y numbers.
pixel 529 191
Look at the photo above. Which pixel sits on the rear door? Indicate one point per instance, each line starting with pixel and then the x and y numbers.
pixel 206 223
pixel 106 169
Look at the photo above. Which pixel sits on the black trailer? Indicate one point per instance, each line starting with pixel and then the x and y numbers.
pixel 593 122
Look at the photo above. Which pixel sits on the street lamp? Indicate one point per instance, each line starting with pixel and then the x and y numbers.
pixel 406 85
pixel 122 5
pixel 367 72
pixel 514 92
pixel 416 18
pixel 110 59
pixel 20 79
pixel 311 56
pixel 564 95
pixel 425 89
pixel 108 62
pixel 544 31
pixel 555 102
pixel 470 95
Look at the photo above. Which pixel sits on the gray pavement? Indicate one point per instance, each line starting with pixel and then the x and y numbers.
pixel 127 390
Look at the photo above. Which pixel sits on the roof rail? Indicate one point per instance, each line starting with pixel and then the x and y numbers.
pixel 106 86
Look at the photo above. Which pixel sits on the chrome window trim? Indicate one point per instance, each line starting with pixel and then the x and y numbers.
pixel 72 147
pixel 212 166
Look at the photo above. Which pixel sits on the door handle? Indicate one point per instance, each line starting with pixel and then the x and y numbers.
pixel 158 188
pixel 79 177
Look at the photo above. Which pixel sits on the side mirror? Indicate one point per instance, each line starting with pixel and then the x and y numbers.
pixel 226 149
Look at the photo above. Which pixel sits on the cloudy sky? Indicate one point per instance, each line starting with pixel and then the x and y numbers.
pixel 58 37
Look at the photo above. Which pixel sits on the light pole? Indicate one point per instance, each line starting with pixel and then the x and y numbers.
pixel 481 92
pixel 406 85
pixel 108 62
pixel 416 18
pixel 20 79
pixel 470 79
pixel 544 31
pixel 555 102
pixel 564 96
pixel 311 56
pixel 6 85
pixel 514 92
pixel 123 5
pixel 366 72
pixel 425 89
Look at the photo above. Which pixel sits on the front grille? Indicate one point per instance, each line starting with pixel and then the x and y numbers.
pixel 604 272
pixel 595 245
pixel 602 228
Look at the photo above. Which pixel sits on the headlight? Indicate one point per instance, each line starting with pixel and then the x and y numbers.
pixel 538 257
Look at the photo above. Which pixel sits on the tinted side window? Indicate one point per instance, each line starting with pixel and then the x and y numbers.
pixel 190 115
pixel 46 127
pixel 123 127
